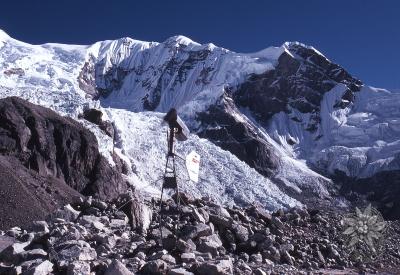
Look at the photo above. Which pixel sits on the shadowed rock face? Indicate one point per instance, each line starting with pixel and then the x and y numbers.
pixel 58 147
pixel 241 139
pixel 299 81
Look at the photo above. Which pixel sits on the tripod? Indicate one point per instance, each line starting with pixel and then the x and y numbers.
pixel 170 179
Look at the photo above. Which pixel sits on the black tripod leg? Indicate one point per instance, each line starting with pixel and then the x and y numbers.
pixel 161 216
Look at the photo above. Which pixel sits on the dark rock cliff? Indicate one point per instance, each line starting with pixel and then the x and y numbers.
pixel 58 147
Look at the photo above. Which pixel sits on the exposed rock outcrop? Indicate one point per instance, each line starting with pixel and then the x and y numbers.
pixel 45 161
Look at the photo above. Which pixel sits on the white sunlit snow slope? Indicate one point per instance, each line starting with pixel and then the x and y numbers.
pixel 223 177
pixel 359 140
pixel 43 74
pixel 180 73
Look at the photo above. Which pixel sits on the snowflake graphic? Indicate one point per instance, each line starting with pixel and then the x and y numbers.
pixel 363 231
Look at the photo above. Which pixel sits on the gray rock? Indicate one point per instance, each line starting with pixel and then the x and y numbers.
pixel 10 269
pixel 244 256
pixel 198 217
pixel 10 254
pixel 32 254
pixel 203 212
pixel 286 247
pixel 196 231
pixel 256 258
pixel 274 254
pixel 30 264
pixel 210 244
pixel 78 268
pixel 154 267
pixel 77 253
pixel 117 268
pixel 109 240
pixel 99 204
pixel 183 246
pixel 179 271
pixel 269 262
pixel 286 258
pixel 39 226
pixel 242 268
pixel 139 214
pixel 241 232
pixel 222 267
pixel 333 253
pixel 92 221
pixel 67 213
pixel 188 257
pixel 203 255
pixel 168 259
pixel 141 255
pixel 119 223
pixel 14 232
pixel 157 255
pixel 277 222
pixel 320 257
pixel 259 271
pixel 221 221
pixel 43 268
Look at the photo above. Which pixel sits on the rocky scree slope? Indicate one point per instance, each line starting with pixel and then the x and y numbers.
pixel 199 237
pixel 46 160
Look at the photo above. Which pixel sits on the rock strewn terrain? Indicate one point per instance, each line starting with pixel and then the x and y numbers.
pixel 94 237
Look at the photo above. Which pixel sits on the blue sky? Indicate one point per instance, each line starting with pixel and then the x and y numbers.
pixel 363 36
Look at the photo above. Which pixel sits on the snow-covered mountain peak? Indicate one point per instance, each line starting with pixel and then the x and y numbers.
pixel 3 35
pixel 302 50
pixel 180 40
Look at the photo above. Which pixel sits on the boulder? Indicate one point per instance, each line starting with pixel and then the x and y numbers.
pixel 67 213
pixel 32 254
pixel 139 214
pixel 185 246
pixel 92 221
pixel 96 116
pixel 78 268
pixel 179 271
pixel 39 226
pixel 117 268
pixel 210 244
pixel 241 232
pixel 222 267
pixel 99 204
pixel 196 231
pixel 188 257
pixel 156 267
pixel 43 268
pixel 10 254
pixel 77 253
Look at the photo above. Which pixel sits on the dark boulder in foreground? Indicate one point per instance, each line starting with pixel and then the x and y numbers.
pixel 41 150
